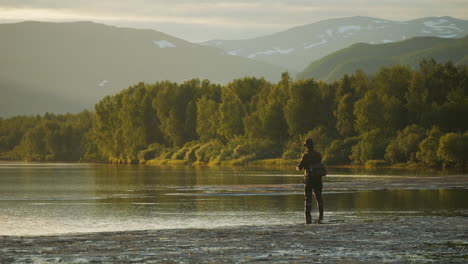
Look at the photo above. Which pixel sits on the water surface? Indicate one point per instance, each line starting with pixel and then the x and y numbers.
pixel 55 198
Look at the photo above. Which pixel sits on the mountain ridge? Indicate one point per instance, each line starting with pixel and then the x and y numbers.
pixel 370 57
pixel 296 47
pixel 83 61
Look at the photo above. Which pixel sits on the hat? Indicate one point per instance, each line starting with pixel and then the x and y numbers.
pixel 308 142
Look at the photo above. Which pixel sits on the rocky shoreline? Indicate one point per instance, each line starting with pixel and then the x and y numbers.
pixel 391 239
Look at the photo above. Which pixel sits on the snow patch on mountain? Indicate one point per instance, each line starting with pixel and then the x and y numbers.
pixel 382 27
pixel 344 29
pixel 437 25
pixel 164 44
pixel 271 52
pixel 103 83
pixel 234 52
pixel 311 45
pixel 387 41
pixel 380 21
pixel 448 36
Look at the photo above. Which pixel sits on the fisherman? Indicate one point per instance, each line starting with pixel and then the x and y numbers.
pixel 312 166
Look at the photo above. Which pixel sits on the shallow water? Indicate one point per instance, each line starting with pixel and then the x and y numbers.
pixel 56 198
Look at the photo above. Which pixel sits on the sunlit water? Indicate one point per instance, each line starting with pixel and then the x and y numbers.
pixel 57 198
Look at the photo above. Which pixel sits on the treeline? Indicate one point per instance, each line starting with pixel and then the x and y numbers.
pixel 397 116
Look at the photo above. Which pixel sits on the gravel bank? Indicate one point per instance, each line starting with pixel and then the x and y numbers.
pixel 391 239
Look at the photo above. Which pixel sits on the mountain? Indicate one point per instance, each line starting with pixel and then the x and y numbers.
pixel 67 67
pixel 297 47
pixel 370 57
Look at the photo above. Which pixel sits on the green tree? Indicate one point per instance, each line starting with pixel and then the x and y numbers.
pixel 231 114
pixel 393 81
pixel 176 109
pixel 302 109
pixel 207 119
pixel 344 116
pixel 428 90
pixel 453 108
pixel 368 112
pixel 268 120
pixel 13 129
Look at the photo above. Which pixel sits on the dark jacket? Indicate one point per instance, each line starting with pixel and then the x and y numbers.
pixel 308 161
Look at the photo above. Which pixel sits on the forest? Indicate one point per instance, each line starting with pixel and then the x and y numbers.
pixel 397 117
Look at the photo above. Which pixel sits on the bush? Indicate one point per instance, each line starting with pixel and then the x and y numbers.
pixel 181 153
pixel 453 149
pixel 404 146
pixel 293 149
pixel 339 151
pixel 166 155
pixel 427 153
pixel 209 151
pixel 371 146
pixel 190 154
pixel 260 148
pixel 151 152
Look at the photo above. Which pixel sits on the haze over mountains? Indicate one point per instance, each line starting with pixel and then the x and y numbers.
pixel 297 47
pixel 67 67
pixel 370 58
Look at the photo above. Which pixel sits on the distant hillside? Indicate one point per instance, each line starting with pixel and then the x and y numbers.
pixel 370 58
pixel 297 47
pixel 66 67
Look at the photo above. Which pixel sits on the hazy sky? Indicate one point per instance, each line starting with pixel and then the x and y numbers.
pixel 199 20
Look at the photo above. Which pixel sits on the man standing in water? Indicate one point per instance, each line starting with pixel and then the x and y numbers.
pixel 311 164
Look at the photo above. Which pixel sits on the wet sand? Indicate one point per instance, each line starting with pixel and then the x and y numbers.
pixel 390 239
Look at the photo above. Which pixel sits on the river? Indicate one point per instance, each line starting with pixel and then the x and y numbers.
pixel 60 198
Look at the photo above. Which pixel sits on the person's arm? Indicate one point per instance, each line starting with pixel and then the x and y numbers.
pixel 300 166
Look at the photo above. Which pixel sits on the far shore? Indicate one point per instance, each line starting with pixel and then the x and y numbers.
pixel 271 163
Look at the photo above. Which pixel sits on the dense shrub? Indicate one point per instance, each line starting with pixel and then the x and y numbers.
pixel 151 152
pixel 453 149
pixel 371 146
pixel 404 146
pixel 259 148
pixel 209 151
pixel 427 153
pixel 339 151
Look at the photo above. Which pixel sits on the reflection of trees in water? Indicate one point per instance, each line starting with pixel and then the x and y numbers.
pixel 189 189
pixel 145 190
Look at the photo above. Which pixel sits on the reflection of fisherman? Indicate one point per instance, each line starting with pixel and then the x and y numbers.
pixel 313 182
